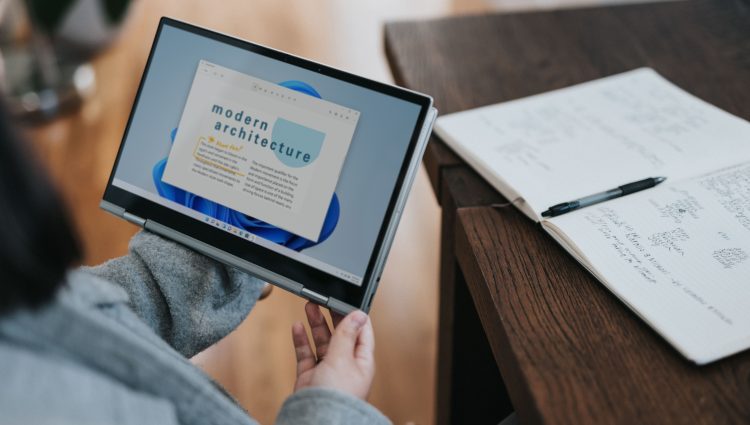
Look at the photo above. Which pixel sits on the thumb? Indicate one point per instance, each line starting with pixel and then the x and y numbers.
pixel 345 335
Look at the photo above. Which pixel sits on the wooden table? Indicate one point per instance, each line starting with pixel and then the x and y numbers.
pixel 522 325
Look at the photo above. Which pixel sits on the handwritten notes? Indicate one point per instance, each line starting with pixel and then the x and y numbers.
pixel 573 142
pixel 679 255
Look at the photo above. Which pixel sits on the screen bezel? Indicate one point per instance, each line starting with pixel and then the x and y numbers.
pixel 308 276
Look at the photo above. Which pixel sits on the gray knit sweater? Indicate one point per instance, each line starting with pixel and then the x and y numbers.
pixel 112 346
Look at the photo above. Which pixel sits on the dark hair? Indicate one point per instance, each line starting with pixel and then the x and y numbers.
pixel 37 243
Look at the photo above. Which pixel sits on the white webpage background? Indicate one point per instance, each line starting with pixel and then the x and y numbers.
pixel 317 181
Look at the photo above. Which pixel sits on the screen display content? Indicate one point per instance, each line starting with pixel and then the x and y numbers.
pixel 275 154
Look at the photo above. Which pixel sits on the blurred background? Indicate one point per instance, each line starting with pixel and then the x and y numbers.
pixel 70 69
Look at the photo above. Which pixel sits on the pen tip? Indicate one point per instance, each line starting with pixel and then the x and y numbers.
pixel 659 179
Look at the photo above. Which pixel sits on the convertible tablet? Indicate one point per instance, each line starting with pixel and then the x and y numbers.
pixel 288 169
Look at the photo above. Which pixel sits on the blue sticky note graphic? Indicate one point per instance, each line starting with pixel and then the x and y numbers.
pixel 301 145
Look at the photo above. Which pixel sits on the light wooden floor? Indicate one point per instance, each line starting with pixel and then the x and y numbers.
pixel 256 362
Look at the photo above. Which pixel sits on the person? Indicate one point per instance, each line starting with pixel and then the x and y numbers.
pixel 109 344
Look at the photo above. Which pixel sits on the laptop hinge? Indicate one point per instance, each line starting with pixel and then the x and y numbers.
pixel 134 219
pixel 314 296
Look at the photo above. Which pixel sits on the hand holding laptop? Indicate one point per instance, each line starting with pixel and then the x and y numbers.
pixel 343 359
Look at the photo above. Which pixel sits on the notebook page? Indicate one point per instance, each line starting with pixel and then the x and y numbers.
pixel 566 144
pixel 679 255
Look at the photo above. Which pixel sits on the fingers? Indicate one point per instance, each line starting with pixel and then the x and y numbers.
pixel 346 334
pixel 302 349
pixel 364 350
pixel 336 318
pixel 321 333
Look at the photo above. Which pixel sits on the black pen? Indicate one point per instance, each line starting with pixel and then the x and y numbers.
pixel 617 192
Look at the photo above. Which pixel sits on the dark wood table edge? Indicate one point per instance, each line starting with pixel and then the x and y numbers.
pixel 454 305
pixel 494 268
pixel 437 154
pixel 438 170
pixel 516 384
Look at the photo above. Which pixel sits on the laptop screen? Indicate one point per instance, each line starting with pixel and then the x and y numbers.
pixel 277 155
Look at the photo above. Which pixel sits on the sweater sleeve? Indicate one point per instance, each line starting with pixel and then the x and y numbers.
pixel 313 406
pixel 188 299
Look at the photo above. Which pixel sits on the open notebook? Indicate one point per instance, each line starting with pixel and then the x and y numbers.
pixel 678 254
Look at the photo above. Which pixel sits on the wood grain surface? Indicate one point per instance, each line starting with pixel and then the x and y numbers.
pixel 470 61
pixel 569 351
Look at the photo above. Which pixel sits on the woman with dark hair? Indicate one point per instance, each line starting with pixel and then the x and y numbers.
pixel 108 344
